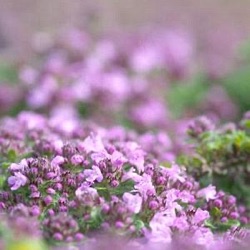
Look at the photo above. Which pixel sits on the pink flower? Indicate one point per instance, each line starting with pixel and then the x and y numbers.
pixel 160 227
pixel 145 186
pixel 58 160
pixel 58 144
pixel 135 155
pixel 85 191
pixel 208 193
pixel 186 196
pixel 118 159
pixel 19 166
pixel 131 175
pixel 181 223
pixel 133 202
pixel 93 143
pixel 93 174
pixel 200 216
pixel 99 156
pixel 77 159
pixel 203 236
pixel 174 173
pixel 17 181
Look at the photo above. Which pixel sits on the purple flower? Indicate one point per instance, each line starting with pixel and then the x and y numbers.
pixel 186 196
pixel 135 155
pixel 99 156
pixel 200 125
pixel 131 175
pixel 17 181
pixel 19 166
pixel 77 159
pixel 203 236
pixel 200 216
pixel 208 193
pixel 86 193
pixel 93 174
pixel 160 228
pixel 174 173
pixel 58 160
pixel 145 186
pixel 181 223
pixel 133 202
pixel 118 159
pixel 93 143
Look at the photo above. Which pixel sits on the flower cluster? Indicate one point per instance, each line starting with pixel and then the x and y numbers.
pixel 221 155
pixel 103 156
pixel 74 181
pixel 118 80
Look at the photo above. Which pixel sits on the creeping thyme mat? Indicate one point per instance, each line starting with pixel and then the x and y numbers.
pixel 99 147
pixel 87 186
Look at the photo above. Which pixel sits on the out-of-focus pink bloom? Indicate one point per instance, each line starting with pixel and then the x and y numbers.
pixel 77 159
pixel 145 186
pixel 17 181
pixel 58 160
pixel 42 94
pixel 146 58
pixel 118 159
pixel 92 143
pixel 32 120
pixel 135 155
pixel 93 174
pixel 200 216
pixel 174 173
pixel 19 166
pixel 149 114
pixel 160 227
pixel 133 202
pixel 208 193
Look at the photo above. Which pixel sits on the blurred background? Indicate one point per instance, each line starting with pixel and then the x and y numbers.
pixel 19 19
pixel 205 69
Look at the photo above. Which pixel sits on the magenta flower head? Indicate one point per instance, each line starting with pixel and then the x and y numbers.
pixel 133 202
pixel 200 125
pixel 77 159
pixel 19 166
pixel 208 193
pixel 93 174
pixel 200 216
pixel 58 160
pixel 17 181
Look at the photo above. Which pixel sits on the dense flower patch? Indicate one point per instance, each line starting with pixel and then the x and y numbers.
pixel 117 80
pixel 61 184
pixel 107 155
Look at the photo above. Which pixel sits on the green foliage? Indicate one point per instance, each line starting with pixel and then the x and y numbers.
pixel 237 84
pixel 96 218
pixel 186 95
pixel 8 73
pixel 221 226
pixel 222 158
pixel 106 191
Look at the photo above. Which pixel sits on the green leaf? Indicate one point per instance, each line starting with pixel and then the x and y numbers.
pixel 185 95
pixel 126 186
pixel 8 73
pixel 238 87
pixel 96 218
pixel 12 155
pixel 229 224
pixel 5 165
pixel 139 224
pixel 215 212
pixel 209 224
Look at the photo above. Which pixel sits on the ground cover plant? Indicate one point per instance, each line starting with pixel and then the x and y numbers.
pixel 99 146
